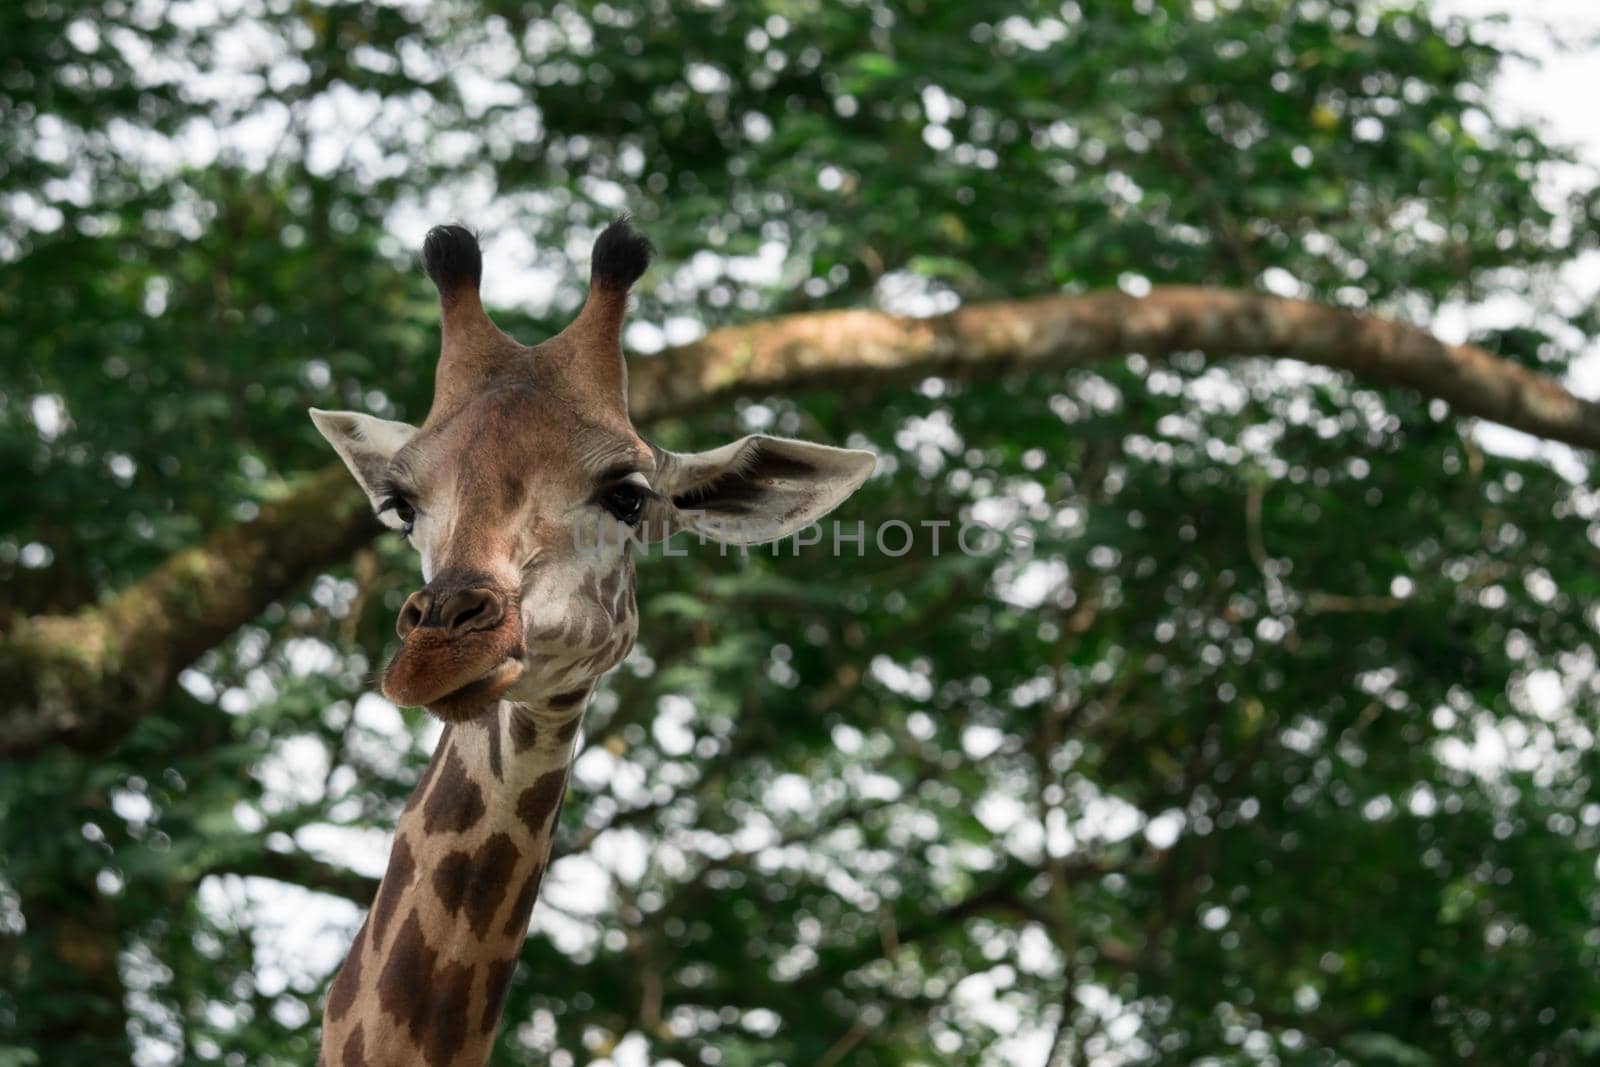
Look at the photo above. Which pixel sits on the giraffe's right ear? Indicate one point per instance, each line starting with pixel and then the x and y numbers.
pixel 366 443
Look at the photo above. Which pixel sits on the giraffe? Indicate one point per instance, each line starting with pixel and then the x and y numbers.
pixel 518 617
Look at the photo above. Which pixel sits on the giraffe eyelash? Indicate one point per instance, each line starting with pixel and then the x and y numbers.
pixel 404 511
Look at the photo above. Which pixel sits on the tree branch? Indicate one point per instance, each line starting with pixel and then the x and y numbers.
pixel 850 347
pixel 83 680
pixel 298 868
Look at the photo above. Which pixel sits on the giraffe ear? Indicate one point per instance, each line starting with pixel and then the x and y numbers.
pixel 366 443
pixel 758 488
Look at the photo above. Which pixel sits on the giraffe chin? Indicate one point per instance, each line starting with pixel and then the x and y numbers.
pixel 470 700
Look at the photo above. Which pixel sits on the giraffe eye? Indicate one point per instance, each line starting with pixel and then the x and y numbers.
pixel 626 501
pixel 403 511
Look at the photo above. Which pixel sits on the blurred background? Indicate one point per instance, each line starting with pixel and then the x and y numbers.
pixel 1277 748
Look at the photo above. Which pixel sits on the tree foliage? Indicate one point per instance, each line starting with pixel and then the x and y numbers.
pixel 1274 747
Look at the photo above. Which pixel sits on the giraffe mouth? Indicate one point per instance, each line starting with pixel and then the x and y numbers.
pixel 469 700
pixel 456 676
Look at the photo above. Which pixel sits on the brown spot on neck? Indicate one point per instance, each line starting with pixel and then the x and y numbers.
pixel 524 731
pixel 343 994
pixel 563 701
pixel 455 803
pixel 496 983
pixel 476 882
pixel 541 800
pixel 446 1029
pixel 522 910
pixel 406 973
pixel 355 1049
pixel 396 880
pixel 430 1001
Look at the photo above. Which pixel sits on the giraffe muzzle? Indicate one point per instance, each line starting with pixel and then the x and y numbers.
pixel 461 649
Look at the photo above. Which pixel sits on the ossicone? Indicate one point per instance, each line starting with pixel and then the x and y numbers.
pixel 452 260
pixel 621 256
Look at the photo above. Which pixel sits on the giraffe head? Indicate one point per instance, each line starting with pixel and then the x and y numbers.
pixel 526 487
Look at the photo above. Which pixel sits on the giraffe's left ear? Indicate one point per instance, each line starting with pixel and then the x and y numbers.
pixel 756 489
pixel 366 443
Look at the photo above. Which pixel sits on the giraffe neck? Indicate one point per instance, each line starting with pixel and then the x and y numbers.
pixel 427 975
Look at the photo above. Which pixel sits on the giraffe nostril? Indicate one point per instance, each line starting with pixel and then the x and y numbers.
pixel 471 609
pixel 412 613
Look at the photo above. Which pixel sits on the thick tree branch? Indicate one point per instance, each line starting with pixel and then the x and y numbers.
pixel 299 869
pixel 843 347
pixel 83 680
